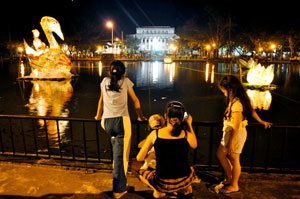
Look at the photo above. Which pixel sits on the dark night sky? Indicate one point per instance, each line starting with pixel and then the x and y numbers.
pixel 84 16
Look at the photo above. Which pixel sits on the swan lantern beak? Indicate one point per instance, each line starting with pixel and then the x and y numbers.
pixel 59 33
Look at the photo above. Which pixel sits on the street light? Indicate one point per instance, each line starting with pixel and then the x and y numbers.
pixel 110 24
pixel 273 47
pixel 208 49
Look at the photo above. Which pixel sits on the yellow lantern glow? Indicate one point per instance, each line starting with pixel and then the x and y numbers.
pixel 259 75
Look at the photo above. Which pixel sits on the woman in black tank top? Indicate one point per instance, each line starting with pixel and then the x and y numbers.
pixel 173 172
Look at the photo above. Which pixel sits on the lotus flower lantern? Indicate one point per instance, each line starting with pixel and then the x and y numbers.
pixel 259 75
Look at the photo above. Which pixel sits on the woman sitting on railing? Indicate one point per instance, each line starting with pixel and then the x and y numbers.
pixel 171 143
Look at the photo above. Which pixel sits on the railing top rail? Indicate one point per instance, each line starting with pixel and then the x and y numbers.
pixel 198 123
pixel 47 118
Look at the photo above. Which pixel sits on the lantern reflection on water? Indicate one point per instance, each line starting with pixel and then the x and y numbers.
pixel 260 99
pixel 48 98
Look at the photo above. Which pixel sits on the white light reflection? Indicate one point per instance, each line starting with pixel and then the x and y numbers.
pixel 100 68
pixel 172 72
pixel 206 72
pixel 213 74
pixel 22 69
pixel 155 72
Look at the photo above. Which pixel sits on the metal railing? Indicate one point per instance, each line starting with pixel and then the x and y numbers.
pixel 271 150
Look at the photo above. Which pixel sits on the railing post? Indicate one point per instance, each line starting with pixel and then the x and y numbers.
pixel 97 139
pixel 72 140
pixel 268 151
pixel 58 137
pixel 283 148
pixel 47 139
pixel 84 141
pixel 12 137
pixel 211 138
pixel 253 149
pixel 138 135
pixel 23 137
pixel 196 150
pixel 2 147
pixel 34 137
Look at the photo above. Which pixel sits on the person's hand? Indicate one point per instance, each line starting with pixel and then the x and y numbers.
pixel 189 120
pixel 266 124
pixel 141 119
pixel 97 117
pixel 229 149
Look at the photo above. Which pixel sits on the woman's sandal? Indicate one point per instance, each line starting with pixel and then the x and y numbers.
pixel 228 192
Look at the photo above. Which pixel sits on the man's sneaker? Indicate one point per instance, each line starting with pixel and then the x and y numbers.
pixel 119 195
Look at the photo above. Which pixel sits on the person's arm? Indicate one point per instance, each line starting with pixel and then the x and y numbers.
pixel 257 118
pixel 100 107
pixel 146 147
pixel 191 137
pixel 237 119
pixel 137 105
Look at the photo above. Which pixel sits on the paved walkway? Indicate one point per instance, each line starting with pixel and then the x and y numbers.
pixel 23 180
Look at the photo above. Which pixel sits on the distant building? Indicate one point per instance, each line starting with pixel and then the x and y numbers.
pixel 155 38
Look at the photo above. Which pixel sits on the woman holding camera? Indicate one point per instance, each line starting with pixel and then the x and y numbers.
pixel 172 142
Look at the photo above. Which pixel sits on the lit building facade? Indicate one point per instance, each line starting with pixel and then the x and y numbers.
pixel 155 38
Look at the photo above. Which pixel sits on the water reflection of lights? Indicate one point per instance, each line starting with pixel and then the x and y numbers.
pixel 212 76
pixel 172 72
pixel 155 69
pixel 22 69
pixel 260 99
pixel 100 68
pixel 206 72
pixel 154 74
pixel 36 73
pixel 36 87
pixel 48 98
pixel 170 68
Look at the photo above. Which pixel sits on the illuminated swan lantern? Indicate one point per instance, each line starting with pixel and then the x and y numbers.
pixel 49 62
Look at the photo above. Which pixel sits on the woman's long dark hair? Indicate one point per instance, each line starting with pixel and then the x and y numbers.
pixel 117 70
pixel 175 109
pixel 233 84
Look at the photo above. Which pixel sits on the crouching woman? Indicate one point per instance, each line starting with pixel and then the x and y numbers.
pixel 173 173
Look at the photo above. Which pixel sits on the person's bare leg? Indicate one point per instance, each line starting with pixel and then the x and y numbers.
pixel 225 162
pixel 236 172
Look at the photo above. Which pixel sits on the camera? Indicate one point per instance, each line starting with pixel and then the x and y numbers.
pixel 185 115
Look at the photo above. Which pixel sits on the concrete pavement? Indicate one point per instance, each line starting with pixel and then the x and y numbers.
pixel 24 180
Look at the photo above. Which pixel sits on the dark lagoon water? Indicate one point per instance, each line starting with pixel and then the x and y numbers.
pixel 156 83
